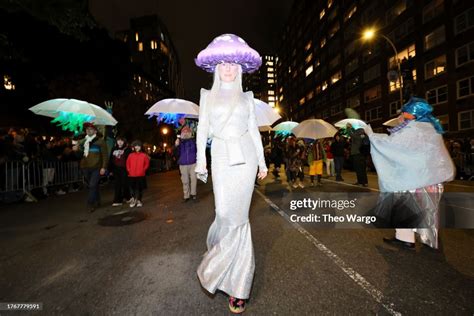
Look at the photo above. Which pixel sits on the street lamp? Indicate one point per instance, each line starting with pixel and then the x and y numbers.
pixel 370 34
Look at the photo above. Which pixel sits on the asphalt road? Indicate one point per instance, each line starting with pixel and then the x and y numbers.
pixel 75 263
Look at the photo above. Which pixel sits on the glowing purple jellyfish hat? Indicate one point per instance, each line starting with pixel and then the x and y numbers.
pixel 231 49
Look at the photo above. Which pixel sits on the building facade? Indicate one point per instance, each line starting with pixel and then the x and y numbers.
pixel 263 82
pixel 325 66
pixel 156 67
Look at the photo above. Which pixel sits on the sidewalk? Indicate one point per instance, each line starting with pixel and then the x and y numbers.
pixel 350 178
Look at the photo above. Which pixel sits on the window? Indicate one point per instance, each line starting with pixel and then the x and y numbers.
pixel 350 12
pixel 271 75
pixel 465 54
pixel 325 114
pixel 352 83
pixel 372 94
pixel 403 55
pixel 464 21
pixel 271 81
pixel 309 58
pixel 373 114
pixel 302 100
pixel 372 73
pixel 324 85
pixel 271 98
pixel 333 30
pixel 333 14
pixel 435 38
pixel 352 65
pixel 164 48
pixel 394 108
pixel 350 48
pixel 153 44
pixel 465 87
pixel 322 13
pixel 140 46
pixel 392 13
pixel 310 95
pixel 7 83
pixel 335 62
pixel 435 67
pixel 316 62
pixel 323 42
pixel 309 70
pixel 466 119
pixel 432 10
pixel 136 36
pixel 271 92
pixel 336 109
pixel 318 89
pixel 335 93
pixel 270 69
pixel 353 102
pixel 336 77
pixel 393 86
pixel 403 30
pixel 437 95
pixel 281 97
pixel 329 3
pixel 269 63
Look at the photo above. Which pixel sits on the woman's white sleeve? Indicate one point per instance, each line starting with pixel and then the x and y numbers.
pixel 255 134
pixel 202 134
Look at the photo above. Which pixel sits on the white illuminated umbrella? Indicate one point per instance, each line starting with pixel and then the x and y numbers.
pixel 285 127
pixel 354 122
pixel 174 106
pixel 266 115
pixel 314 129
pixel 57 107
pixel 392 122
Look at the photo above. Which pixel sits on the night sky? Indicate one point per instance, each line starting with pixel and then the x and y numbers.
pixel 192 28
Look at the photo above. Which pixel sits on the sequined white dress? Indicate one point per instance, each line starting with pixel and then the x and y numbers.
pixel 229 264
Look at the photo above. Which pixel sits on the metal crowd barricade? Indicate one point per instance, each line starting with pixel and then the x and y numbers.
pixel 11 176
pixel 17 176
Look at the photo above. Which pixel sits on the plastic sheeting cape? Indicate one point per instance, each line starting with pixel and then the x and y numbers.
pixel 411 158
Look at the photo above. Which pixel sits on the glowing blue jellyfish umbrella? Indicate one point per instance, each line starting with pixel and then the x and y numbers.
pixel 173 111
pixel 71 114
pixel 284 129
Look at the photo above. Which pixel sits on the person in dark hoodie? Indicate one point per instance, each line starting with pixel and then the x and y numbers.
pixel 94 159
pixel 186 148
pixel 358 159
pixel 337 148
pixel 118 167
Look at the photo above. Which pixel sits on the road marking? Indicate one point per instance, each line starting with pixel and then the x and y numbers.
pixel 354 275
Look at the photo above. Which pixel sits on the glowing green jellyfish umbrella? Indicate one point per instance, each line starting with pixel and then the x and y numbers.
pixel 71 114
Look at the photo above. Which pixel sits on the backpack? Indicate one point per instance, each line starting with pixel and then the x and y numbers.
pixel 365 145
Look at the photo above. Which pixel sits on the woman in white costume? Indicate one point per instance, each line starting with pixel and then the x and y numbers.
pixel 227 115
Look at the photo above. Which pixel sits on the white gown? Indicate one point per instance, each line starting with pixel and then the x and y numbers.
pixel 229 264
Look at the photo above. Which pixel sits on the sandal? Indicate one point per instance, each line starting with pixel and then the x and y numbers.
pixel 236 306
